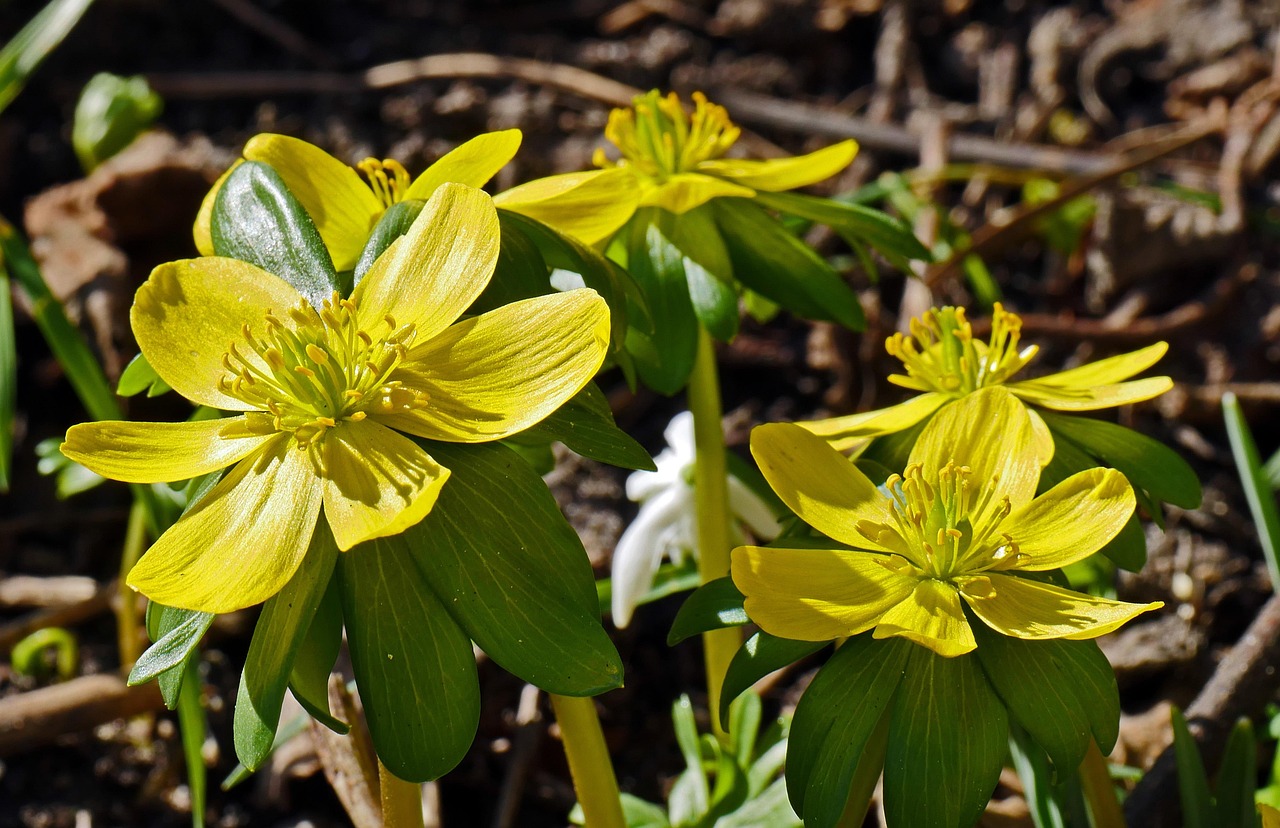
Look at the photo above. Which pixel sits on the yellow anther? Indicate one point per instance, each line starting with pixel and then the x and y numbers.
pixel 304 370
pixel 317 354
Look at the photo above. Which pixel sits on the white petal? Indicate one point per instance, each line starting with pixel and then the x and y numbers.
pixel 751 510
pixel 679 434
pixel 643 485
pixel 639 552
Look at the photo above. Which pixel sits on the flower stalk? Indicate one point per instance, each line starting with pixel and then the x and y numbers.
pixel 712 496
pixel 1099 792
pixel 401 800
pixel 589 762
pixel 135 541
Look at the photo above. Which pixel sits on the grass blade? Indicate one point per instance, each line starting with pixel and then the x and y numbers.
pixel 1257 486
pixel 21 56
pixel 8 377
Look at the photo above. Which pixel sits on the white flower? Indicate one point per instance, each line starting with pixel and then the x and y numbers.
pixel 667 524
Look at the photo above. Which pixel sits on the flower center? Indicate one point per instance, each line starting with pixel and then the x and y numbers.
pixel 944 526
pixel 306 375
pixel 659 139
pixel 387 178
pixel 941 355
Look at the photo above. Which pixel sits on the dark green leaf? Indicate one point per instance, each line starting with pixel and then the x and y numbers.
pixel 889 235
pixel 139 376
pixel 834 720
pixel 501 558
pixel 1093 681
pixel 193 727
pixel 759 656
pixel 32 44
pixel 111 113
pixel 1147 463
pixel 176 633
pixel 771 261
pixel 281 629
pixel 707 268
pixel 1193 782
pixel 664 358
pixel 713 606
pixel 257 220
pixel 1257 489
pixel 309 679
pixel 1237 779
pixel 413 664
pixel 520 273
pixel 1036 775
pixel 395 222
pixel 585 425
pixel 947 743
pixel 8 378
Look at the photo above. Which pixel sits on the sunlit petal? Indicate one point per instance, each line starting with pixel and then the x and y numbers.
pixel 1032 610
pixel 498 373
pixel 590 205
pixel 846 432
pixel 816 594
pixel 777 174
pixel 819 484
pixel 988 431
pixel 433 273
pixel 931 615
pixel 340 203
pixel 159 452
pixel 472 163
pixel 1110 370
pixel 1075 398
pixel 242 542
pixel 682 192
pixel 376 482
pixel 1072 520
pixel 188 314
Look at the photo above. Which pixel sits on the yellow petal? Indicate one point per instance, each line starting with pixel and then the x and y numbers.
pixel 682 192
pixel 493 375
pixel 189 312
pixel 1072 520
pixel 932 617
pixel 778 174
pixel 1108 371
pixel 1043 440
pixel 242 542
pixel 990 432
pixel 819 484
pixel 1031 610
pixel 846 432
pixel 816 594
pixel 472 163
pixel 433 273
pixel 376 483
pixel 1270 816
pixel 340 203
pixel 202 231
pixel 159 452
pixel 590 206
pixel 1074 398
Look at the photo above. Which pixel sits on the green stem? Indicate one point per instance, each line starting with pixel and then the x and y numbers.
pixel 589 762
pixel 401 800
pixel 711 496
pixel 135 539
pixel 1099 791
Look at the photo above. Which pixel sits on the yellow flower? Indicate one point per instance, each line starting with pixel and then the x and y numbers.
pixel 346 207
pixel 958 535
pixel 322 394
pixel 945 363
pixel 676 159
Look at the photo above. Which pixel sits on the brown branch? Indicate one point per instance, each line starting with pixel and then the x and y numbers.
pixel 63 616
pixel 37 717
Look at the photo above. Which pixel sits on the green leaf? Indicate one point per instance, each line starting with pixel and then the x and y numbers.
pixel 1257 489
pixel 1148 464
pixel 1093 681
pixel 713 606
pixel 690 797
pixel 312 664
pixel 769 808
pixel 834 720
pixel 111 113
pixel 139 376
pixel 193 727
pixel 636 813
pixel 499 555
pixel 1036 775
pixel 279 634
pixel 395 222
pixel 176 633
pixel 771 261
pixel 759 656
pixel 257 220
pixel 8 378
pixel 1032 679
pixel 585 425
pixel 29 47
pixel 947 743
pixel 708 270
pixel 413 664
pixel 663 357
pixel 1272 470
pixel 1193 782
pixel 520 272
pixel 1237 779
pixel 891 236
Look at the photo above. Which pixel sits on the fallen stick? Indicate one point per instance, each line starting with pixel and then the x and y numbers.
pixel 21 591
pixel 38 717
